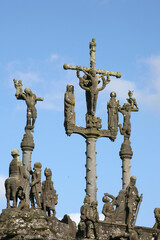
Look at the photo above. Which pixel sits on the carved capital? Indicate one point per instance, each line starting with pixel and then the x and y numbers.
pixel 27 141
pixel 126 150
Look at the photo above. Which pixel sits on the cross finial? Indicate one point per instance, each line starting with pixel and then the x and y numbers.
pixel 92 46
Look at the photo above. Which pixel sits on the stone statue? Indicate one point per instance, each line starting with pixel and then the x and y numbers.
pixel 131 100
pixel 89 82
pixel 19 87
pixel 87 227
pixel 126 129
pixel 31 100
pixel 117 215
pixel 49 197
pixel 69 104
pixel 108 208
pixel 93 217
pixel 157 218
pixel 112 107
pixel 36 185
pixel 15 183
pixel 132 201
pixel 83 218
pixel 126 111
pixel 120 211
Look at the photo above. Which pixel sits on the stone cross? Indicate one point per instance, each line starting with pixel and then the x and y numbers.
pixel 90 83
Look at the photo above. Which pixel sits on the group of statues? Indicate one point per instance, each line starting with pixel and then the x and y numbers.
pixel 124 208
pixel 113 107
pixel 41 196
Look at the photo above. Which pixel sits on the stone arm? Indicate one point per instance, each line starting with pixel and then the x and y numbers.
pixel 135 109
pixel 39 99
pixel 37 180
pixel 21 96
pixel 81 81
pixel 120 110
pixel 105 82
pixel 111 196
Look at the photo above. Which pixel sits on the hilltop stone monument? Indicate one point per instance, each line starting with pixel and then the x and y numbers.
pixel 30 212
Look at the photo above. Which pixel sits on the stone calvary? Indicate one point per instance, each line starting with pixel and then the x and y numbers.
pixel 30 212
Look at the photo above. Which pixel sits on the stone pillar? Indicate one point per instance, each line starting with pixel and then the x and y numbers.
pixel 126 155
pixel 27 146
pixel 91 177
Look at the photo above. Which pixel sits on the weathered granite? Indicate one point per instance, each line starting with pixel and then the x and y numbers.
pixel 33 224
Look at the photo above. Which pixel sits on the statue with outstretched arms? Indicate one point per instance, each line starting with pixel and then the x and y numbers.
pixel 30 99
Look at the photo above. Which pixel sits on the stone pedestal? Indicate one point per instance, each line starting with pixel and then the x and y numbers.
pixel 126 155
pixel 27 146
pixel 91 177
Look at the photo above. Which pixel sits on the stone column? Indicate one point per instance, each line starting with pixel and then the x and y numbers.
pixel 27 146
pixel 126 155
pixel 91 177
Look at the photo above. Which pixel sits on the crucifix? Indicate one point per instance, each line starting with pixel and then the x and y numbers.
pixel 93 81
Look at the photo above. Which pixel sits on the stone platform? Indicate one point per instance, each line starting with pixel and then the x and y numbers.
pixel 33 224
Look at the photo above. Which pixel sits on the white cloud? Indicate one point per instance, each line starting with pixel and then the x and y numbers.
pixel 28 78
pixel 53 57
pixel 2 187
pixel 76 217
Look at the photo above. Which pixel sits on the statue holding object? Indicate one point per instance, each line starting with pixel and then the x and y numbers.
pixel 130 106
pixel 31 100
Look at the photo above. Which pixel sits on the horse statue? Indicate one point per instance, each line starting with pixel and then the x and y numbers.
pixel 15 183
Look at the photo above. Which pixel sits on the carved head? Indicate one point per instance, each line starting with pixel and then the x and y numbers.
pixel 28 91
pixel 113 94
pixel 37 165
pixel 15 152
pixel 130 93
pixel 70 88
pixel 132 180
pixel 92 72
pixel 47 172
pixel 126 106
pixel 105 199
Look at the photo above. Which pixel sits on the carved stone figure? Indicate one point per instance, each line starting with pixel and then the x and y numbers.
pixel 157 218
pixel 112 107
pixel 132 200
pixel 15 183
pixel 36 185
pixel 69 104
pixel 49 197
pixel 31 100
pixel 89 82
pixel 126 111
pixel 84 213
pixel 120 211
pixel 91 218
pixel 108 208
pixel 131 100
pixel 19 87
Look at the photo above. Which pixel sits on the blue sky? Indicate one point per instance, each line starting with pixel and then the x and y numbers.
pixel 37 38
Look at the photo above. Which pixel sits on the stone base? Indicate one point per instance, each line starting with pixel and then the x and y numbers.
pixel 33 224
